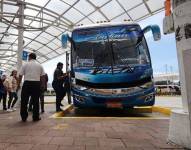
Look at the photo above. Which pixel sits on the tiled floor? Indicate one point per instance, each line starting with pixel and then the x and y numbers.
pixel 82 133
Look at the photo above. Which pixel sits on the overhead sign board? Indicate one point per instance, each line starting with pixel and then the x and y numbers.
pixel 25 55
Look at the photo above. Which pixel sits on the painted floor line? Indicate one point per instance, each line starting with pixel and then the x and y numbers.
pixel 118 118
pixel 163 110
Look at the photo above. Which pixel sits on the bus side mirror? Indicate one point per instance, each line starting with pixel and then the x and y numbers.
pixel 155 31
pixel 64 39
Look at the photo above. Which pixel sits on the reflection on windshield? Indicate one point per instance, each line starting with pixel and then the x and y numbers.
pixel 109 46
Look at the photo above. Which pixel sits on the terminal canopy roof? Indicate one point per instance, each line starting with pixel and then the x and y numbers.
pixel 46 20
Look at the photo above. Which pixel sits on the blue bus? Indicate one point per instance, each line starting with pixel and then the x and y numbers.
pixel 111 65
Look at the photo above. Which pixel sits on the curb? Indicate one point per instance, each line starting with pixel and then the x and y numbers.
pixel 149 109
pixel 66 109
pixel 163 110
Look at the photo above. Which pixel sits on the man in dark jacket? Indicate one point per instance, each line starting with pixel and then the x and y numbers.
pixel 57 84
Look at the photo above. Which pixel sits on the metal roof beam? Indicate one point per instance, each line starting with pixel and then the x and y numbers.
pixel 146 5
pixel 98 8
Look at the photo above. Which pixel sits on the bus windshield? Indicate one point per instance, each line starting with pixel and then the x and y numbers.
pixel 109 46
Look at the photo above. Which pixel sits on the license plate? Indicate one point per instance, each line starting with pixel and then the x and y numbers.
pixel 114 105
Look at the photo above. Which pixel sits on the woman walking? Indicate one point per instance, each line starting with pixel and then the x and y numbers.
pixel 12 89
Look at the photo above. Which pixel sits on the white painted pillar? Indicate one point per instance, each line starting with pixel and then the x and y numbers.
pixel 180 123
pixel 20 43
pixel 20 35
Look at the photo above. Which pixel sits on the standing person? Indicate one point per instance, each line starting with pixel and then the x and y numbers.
pixel 12 90
pixel 43 88
pixel 32 72
pixel 3 91
pixel 57 85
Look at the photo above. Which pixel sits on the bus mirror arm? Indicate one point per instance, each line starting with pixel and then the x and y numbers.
pixel 155 31
pixel 64 39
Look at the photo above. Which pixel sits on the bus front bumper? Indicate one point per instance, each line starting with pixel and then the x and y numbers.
pixel 84 99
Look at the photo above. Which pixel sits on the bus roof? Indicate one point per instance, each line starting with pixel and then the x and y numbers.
pixel 105 24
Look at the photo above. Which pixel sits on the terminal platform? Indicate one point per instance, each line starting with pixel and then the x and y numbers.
pixel 77 129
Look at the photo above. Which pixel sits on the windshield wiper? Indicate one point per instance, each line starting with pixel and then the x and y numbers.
pixel 127 68
pixel 97 69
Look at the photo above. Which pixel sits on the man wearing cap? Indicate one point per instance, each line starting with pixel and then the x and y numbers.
pixel 33 72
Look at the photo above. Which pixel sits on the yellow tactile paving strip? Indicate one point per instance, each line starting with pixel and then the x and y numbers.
pixel 163 110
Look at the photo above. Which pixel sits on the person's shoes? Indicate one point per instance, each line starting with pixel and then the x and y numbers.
pixel 9 110
pixel 4 109
pixel 29 110
pixel 14 109
pixel 42 111
pixel 36 119
pixel 24 119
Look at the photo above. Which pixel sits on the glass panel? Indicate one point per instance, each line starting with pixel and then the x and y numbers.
pixel 41 59
pixel 114 6
pixel 47 36
pixel 99 3
pixel 51 55
pixel 37 2
pixel 69 1
pixel 9 8
pixel 96 16
pixel 30 34
pixel 57 42
pixel 44 50
pixel 128 4
pixel 88 8
pixel 42 40
pixel 142 12
pixel 60 50
pixel 53 31
pixel 3 46
pixel 121 18
pixel 27 22
pixel 35 24
pixel 57 6
pixel 30 12
pixel 10 39
pixel 13 31
pixel 1 53
pixel 73 15
pixel 10 53
pixel 2 30
pixel 85 21
pixel 35 45
pixel 155 5
pixel 26 41
pixel 52 45
pixel 48 17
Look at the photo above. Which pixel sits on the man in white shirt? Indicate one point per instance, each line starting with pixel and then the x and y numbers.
pixel 32 72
